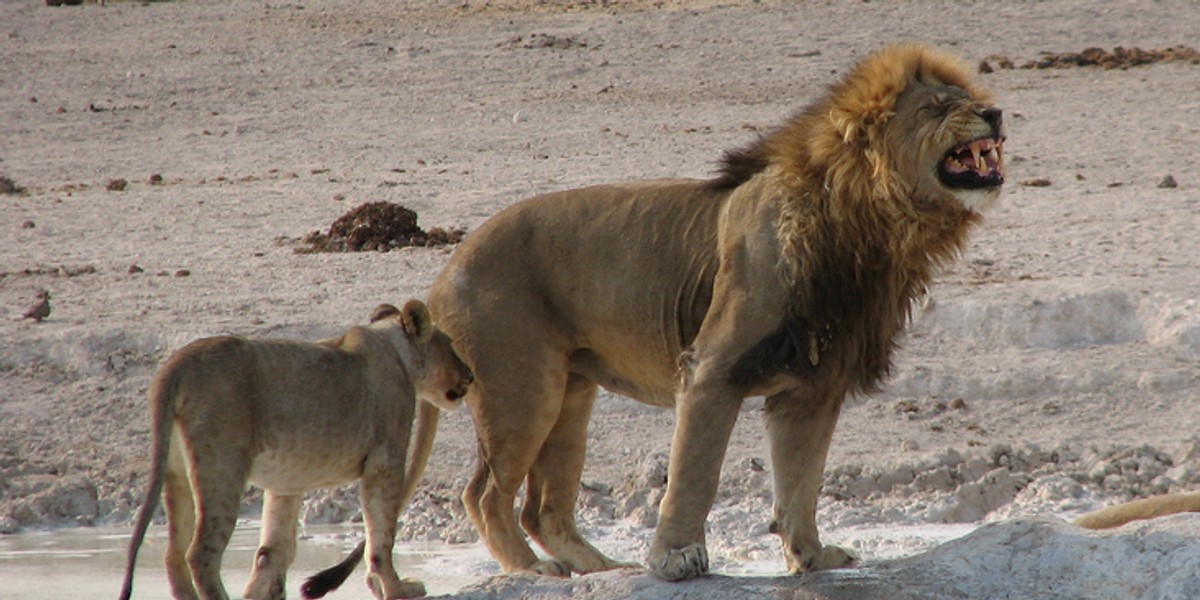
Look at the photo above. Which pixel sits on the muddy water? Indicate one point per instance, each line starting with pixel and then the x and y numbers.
pixel 90 563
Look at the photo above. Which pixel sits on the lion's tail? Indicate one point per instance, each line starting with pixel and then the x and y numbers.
pixel 422 446
pixel 1146 508
pixel 162 410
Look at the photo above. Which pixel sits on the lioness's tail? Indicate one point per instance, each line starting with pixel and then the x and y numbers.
pixel 422 445
pixel 162 411
pixel 1146 508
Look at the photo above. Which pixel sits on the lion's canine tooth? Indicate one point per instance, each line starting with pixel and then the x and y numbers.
pixel 979 164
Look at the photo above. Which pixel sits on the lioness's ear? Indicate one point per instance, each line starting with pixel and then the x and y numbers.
pixel 383 311
pixel 417 321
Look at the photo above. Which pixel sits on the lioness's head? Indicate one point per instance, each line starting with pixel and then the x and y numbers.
pixel 927 132
pixel 439 375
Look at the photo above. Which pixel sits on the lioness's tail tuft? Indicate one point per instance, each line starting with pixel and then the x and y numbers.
pixel 330 579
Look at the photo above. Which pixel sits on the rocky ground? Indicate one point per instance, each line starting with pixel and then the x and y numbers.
pixel 161 164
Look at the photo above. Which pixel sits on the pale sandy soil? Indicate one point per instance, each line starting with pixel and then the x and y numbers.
pixel 1070 330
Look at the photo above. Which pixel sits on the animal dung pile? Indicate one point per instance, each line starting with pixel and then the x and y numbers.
pixel 380 227
pixel 1117 58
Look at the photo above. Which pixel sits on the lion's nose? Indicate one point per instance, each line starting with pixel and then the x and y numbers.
pixel 993 117
pixel 463 384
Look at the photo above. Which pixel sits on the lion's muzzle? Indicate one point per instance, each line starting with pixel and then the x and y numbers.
pixel 978 163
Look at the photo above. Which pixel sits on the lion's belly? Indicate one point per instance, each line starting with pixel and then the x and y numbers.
pixel 295 469
pixel 647 379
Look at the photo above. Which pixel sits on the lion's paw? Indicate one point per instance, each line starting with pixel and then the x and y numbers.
pixel 679 563
pixel 836 557
pixel 829 557
pixel 551 568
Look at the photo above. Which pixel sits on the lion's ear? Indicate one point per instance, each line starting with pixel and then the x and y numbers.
pixel 417 321
pixel 383 311
pixel 858 125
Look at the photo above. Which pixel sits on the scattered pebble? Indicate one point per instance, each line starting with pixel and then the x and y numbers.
pixel 155 179
pixel 1167 182
pixel 116 185
pixel 1036 182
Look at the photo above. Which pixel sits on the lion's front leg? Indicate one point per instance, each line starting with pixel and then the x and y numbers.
pixel 800 425
pixel 705 415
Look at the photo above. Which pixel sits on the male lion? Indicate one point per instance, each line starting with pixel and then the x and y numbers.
pixel 290 417
pixel 788 276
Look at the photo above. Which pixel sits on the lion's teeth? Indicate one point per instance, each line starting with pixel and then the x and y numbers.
pixel 979 164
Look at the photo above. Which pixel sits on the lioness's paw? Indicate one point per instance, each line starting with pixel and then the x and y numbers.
pixel 829 557
pixel 405 587
pixel 680 563
pixel 551 568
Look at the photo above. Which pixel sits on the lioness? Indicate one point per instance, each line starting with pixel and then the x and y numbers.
pixel 290 417
pixel 787 276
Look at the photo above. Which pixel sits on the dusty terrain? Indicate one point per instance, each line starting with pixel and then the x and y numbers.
pixel 163 161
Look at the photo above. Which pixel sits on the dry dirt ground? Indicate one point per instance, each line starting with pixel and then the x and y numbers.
pixel 163 161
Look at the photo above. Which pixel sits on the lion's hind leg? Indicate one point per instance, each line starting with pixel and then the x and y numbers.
pixel 553 485
pixel 514 414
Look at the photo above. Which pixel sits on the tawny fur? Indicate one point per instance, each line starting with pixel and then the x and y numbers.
pixel 790 276
pixel 1137 510
pixel 289 417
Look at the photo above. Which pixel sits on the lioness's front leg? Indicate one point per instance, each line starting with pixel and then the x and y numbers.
pixel 800 425
pixel 276 546
pixel 381 491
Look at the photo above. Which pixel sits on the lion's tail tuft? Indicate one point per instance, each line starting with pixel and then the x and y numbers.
pixel 330 579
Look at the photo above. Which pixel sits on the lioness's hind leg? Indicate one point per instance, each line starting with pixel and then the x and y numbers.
pixel 276 547
pixel 181 522
pixel 219 476
pixel 553 484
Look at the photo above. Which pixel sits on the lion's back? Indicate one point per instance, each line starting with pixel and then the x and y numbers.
pixel 622 270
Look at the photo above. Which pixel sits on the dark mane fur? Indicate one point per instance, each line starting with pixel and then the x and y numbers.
pixel 738 166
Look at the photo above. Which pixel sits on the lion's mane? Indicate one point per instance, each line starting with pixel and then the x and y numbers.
pixel 854 241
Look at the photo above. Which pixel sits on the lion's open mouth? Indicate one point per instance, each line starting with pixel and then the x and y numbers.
pixel 977 164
